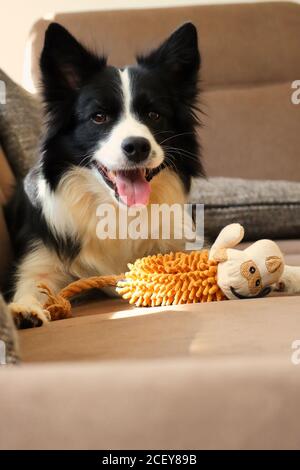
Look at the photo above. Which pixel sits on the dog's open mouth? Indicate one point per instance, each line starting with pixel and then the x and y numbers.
pixel 132 187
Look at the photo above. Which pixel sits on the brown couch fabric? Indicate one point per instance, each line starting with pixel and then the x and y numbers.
pixel 173 404
pixel 208 376
pixel 7 182
pixel 252 132
pixel 204 376
pixel 7 179
pixel 113 330
pixel 241 45
pixel 250 58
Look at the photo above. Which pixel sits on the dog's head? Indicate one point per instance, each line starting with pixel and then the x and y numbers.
pixel 125 125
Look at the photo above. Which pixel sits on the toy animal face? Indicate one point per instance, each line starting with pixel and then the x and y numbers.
pixel 255 283
pixel 250 278
pixel 250 271
pixel 241 280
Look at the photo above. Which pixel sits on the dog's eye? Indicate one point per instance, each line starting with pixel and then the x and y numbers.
pixel 153 116
pixel 100 118
pixel 252 269
pixel 257 283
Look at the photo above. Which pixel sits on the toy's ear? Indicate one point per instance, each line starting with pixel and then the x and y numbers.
pixel 220 255
pixel 273 263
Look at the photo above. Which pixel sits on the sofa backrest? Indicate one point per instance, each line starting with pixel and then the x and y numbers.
pixel 251 56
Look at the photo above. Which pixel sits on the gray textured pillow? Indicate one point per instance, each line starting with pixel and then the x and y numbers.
pixel 9 351
pixel 267 209
pixel 20 125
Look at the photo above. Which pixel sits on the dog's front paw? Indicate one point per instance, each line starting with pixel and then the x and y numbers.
pixel 28 316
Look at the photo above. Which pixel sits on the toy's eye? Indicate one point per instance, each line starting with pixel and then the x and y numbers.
pixel 154 116
pixel 100 118
pixel 252 269
pixel 257 283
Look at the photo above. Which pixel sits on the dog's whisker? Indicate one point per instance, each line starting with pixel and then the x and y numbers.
pixel 85 159
pixel 161 132
pixel 180 151
pixel 170 162
pixel 176 135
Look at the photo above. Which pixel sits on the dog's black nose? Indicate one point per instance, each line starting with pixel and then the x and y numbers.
pixel 136 149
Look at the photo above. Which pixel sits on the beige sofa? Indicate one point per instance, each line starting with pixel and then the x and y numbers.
pixel 201 376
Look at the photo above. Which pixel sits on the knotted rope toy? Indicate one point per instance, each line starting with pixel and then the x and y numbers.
pixel 178 278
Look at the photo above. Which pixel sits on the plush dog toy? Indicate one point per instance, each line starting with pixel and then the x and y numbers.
pixel 177 278
pixel 248 273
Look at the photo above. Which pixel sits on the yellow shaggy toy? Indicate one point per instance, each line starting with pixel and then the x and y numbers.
pixel 171 279
pixel 179 278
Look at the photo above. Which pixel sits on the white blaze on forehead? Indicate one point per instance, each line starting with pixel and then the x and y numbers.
pixel 109 152
pixel 126 89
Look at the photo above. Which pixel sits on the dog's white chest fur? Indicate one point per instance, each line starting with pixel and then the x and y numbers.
pixel 78 198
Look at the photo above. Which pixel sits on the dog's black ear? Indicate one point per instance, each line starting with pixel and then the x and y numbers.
pixel 65 63
pixel 178 55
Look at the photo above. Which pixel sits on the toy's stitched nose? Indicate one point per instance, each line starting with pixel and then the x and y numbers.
pixel 136 149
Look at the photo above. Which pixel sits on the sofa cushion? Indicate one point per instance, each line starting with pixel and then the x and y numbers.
pixel 8 338
pixel 259 42
pixel 251 132
pixel 267 209
pixel 7 179
pixel 20 126
pixel 175 368
pixel 209 403
pixel 113 329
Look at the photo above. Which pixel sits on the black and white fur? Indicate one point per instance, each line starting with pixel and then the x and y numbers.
pixel 91 109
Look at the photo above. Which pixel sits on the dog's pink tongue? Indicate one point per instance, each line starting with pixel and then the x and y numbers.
pixel 133 188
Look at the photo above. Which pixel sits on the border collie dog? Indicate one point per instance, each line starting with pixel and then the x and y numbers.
pixel 118 136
